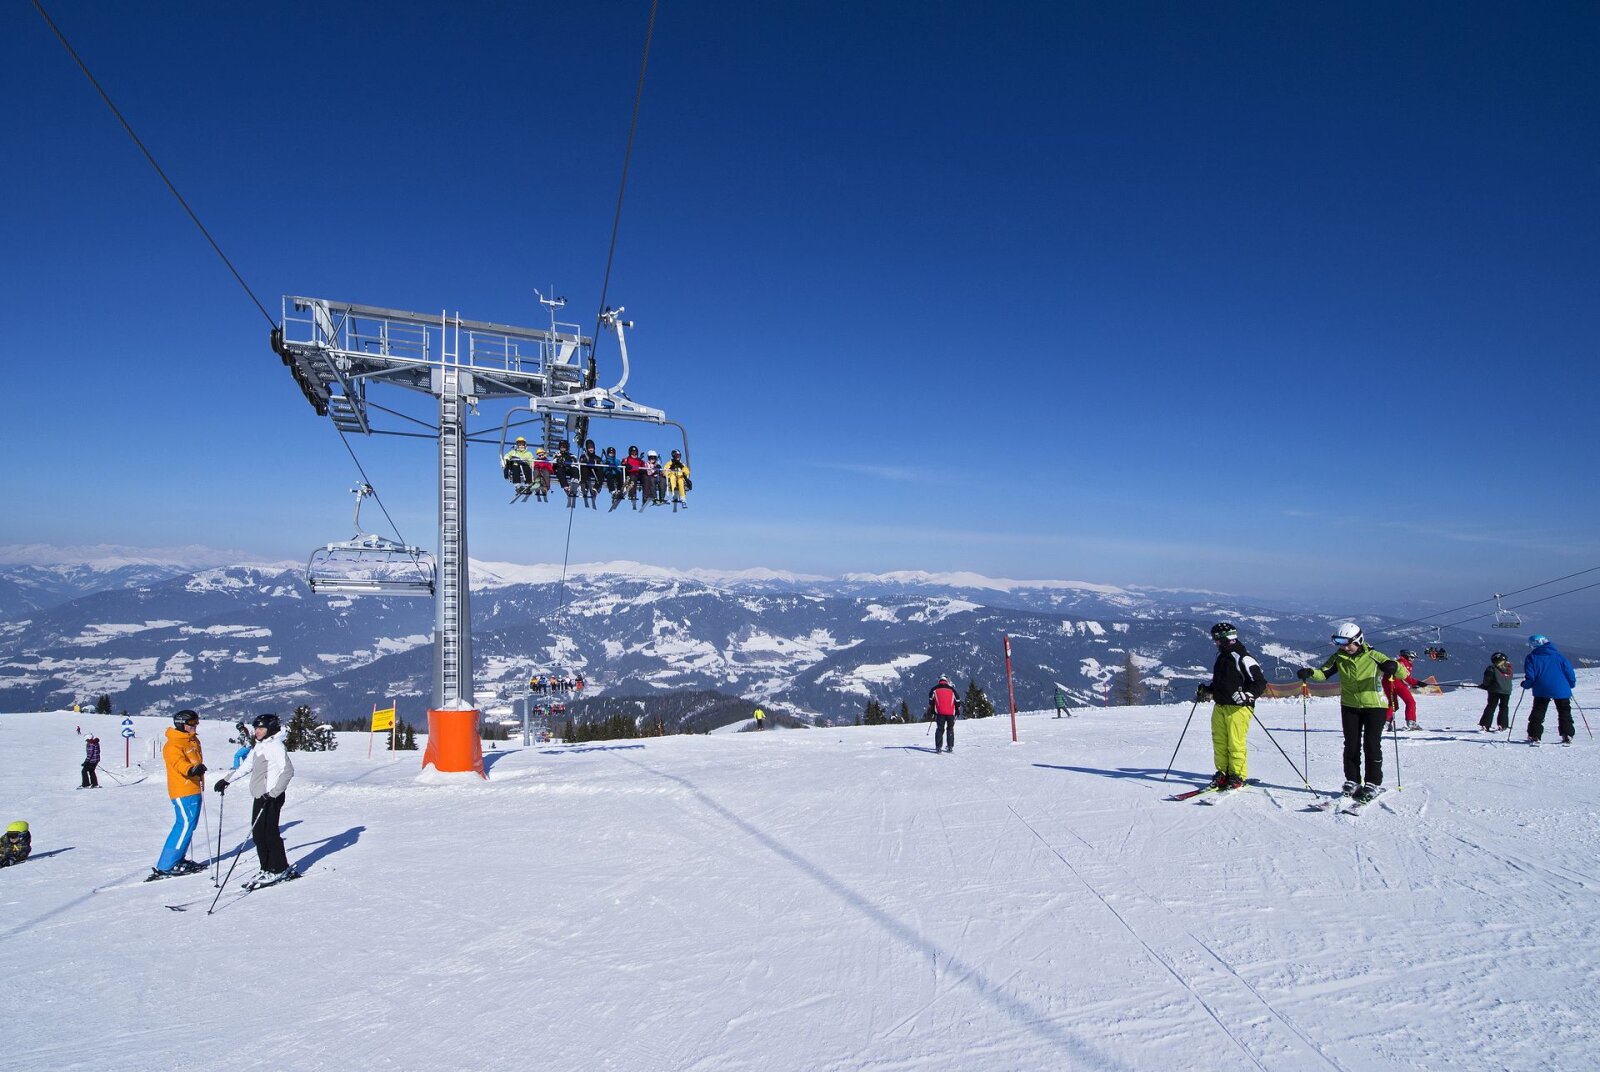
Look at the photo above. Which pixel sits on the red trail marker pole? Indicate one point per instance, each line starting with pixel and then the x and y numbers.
pixel 1011 690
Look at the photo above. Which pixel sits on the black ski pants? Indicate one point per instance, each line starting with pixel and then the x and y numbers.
pixel 519 472
pixel 1541 704
pixel 264 814
pixel 1363 740
pixel 1499 700
pixel 944 729
pixel 89 779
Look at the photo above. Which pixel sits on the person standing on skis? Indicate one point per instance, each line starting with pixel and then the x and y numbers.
pixel 1497 683
pixel 1362 707
pixel 1397 690
pixel 1236 683
pixel 1547 672
pixel 270 772
pixel 91 760
pixel 945 705
pixel 186 770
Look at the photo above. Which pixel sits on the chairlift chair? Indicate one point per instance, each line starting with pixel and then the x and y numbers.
pixel 369 565
pixel 1503 618
pixel 569 402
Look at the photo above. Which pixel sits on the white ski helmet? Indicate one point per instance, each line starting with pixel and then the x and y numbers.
pixel 1346 633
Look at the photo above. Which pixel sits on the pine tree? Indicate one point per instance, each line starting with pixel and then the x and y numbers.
pixel 874 714
pixel 300 734
pixel 1128 691
pixel 976 704
pixel 102 706
pixel 904 715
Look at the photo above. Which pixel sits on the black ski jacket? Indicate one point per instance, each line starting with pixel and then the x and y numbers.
pixel 1237 678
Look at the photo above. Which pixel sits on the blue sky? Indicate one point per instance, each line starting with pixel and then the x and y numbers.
pixel 1282 300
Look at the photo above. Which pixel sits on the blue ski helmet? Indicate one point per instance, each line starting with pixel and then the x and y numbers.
pixel 1538 640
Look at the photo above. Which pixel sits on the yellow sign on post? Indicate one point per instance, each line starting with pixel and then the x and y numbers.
pixel 382 720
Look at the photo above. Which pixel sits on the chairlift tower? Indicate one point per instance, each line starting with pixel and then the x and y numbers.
pixel 339 352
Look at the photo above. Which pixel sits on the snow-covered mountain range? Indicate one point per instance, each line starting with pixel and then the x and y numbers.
pixel 233 639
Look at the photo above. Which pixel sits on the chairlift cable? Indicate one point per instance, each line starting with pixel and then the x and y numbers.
pixel 150 157
pixel 591 375
pixel 366 480
pixel 1502 595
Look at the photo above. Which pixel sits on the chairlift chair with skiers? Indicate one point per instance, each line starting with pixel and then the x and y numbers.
pixel 369 565
pixel 1436 650
pixel 570 400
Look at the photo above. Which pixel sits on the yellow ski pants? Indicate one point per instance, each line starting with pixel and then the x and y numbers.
pixel 1229 726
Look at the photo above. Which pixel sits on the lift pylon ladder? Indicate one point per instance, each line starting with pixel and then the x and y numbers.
pixel 338 352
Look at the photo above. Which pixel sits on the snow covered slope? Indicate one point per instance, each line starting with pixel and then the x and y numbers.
pixel 827 900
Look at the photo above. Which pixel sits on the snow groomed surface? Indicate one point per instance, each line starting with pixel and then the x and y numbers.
pixel 827 900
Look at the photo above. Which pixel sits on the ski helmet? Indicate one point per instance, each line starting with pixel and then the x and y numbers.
pixel 1538 640
pixel 521 439
pixel 943 680
pixel 1499 657
pixel 185 718
pixel 1224 631
pixel 1407 653
pixel 18 827
pixel 1347 633
pixel 268 722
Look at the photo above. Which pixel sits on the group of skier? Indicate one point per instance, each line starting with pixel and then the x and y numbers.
pixel 590 472
pixel 261 759
pixel 1371 686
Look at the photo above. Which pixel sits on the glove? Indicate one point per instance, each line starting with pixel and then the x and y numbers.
pixel 1241 698
pixel 1304 673
pixel 1524 684
pixel 195 771
pixel 1202 693
pixel 221 786
pixel 1388 666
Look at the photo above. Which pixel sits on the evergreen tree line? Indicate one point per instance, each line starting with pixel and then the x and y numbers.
pixel 404 734
pixel 973 705
pixel 616 727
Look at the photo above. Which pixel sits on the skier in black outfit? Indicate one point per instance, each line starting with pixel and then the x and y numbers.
pixel 944 705
pixel 1497 683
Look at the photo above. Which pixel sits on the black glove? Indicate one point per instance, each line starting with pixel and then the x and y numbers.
pixel 221 786
pixel 1304 673
pixel 1389 667
pixel 195 771
pixel 1202 693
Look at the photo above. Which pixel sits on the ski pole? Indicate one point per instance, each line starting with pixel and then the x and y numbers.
pixel 1305 733
pixel 216 870
pixel 237 853
pixel 1513 727
pixel 1579 706
pixel 1279 747
pixel 205 817
pixel 1186 722
pixel 1394 731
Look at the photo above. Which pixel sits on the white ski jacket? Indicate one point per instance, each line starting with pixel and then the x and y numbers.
pixel 268 766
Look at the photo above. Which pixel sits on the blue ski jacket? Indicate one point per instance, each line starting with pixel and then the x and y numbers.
pixel 1547 672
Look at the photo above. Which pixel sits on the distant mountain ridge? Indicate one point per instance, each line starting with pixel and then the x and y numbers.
pixel 236 639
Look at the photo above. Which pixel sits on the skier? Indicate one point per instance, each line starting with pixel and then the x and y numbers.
pixel 613 475
pixel 944 705
pixel 633 475
pixel 16 845
pixel 761 719
pixel 270 772
pixel 1236 683
pixel 91 760
pixel 1397 690
pixel 1547 672
pixel 245 739
pixel 185 782
pixel 1062 707
pixel 1361 706
pixel 592 473
pixel 678 481
pixel 566 466
pixel 544 471
pixel 655 480
pixel 517 466
pixel 1497 683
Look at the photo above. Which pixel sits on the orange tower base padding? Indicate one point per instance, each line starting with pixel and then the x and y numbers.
pixel 453 742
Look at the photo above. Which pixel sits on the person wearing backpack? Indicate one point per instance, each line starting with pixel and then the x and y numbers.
pixel 1497 683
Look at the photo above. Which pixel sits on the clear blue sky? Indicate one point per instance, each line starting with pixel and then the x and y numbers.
pixel 1278 299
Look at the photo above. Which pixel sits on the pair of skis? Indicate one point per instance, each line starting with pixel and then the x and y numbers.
pixel 1344 803
pixel 1209 792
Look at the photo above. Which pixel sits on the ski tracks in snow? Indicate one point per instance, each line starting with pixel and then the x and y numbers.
pixel 1199 966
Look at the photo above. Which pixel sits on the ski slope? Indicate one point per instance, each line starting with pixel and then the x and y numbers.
pixel 829 901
